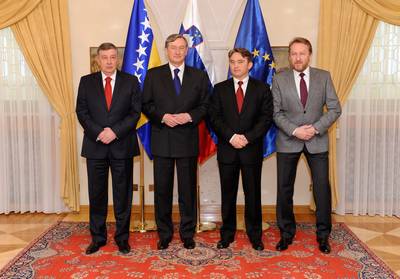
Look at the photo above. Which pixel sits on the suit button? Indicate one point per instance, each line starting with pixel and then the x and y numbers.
pixel 304 111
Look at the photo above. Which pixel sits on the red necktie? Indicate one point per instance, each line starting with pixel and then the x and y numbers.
pixel 239 96
pixel 303 90
pixel 107 92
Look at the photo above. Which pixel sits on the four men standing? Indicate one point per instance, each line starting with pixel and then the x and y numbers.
pixel 175 99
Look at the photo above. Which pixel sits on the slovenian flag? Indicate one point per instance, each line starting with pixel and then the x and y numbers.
pixel 199 57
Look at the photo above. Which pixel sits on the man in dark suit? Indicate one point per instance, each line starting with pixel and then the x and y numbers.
pixel 175 99
pixel 108 108
pixel 300 95
pixel 241 114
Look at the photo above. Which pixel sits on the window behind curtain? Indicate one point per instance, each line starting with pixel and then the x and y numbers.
pixel 29 141
pixel 369 137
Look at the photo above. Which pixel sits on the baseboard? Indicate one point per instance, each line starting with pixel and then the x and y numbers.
pixel 209 212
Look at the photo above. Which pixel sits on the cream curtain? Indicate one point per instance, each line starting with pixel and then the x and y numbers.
pixel 385 10
pixel 345 34
pixel 12 11
pixel 346 31
pixel 29 145
pixel 43 36
pixel 368 147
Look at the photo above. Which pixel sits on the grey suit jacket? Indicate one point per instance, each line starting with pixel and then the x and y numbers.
pixel 290 114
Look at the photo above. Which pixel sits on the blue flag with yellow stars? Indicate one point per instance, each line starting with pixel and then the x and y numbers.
pixel 252 35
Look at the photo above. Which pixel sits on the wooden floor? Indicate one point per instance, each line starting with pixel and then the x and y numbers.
pixel 380 234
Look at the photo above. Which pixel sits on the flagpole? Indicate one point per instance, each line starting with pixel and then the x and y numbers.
pixel 142 225
pixel 202 226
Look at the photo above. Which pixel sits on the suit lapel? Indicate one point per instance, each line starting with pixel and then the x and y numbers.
pixel 292 87
pixel 231 96
pixel 116 91
pixel 248 95
pixel 167 80
pixel 311 87
pixel 186 81
pixel 100 89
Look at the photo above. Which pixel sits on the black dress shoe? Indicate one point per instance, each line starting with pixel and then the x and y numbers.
pixel 323 245
pixel 257 245
pixel 283 244
pixel 222 244
pixel 124 247
pixel 162 244
pixel 189 243
pixel 94 247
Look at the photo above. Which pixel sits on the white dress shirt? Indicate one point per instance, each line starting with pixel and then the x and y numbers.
pixel 244 85
pixel 297 79
pixel 181 70
pixel 113 76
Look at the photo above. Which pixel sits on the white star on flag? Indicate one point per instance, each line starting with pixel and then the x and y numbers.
pixel 144 37
pixel 141 51
pixel 138 76
pixel 146 23
pixel 138 64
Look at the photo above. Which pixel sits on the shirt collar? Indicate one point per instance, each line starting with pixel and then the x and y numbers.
pixel 103 76
pixel 245 80
pixel 181 67
pixel 306 72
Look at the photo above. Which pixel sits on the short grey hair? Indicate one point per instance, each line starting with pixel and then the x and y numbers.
pixel 173 37
pixel 106 46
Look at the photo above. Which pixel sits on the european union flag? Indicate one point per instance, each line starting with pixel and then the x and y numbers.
pixel 252 35
pixel 140 55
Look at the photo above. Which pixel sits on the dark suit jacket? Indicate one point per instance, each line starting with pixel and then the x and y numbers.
pixel 253 121
pixel 159 98
pixel 91 109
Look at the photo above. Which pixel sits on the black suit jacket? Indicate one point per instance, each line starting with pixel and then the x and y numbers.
pixel 91 109
pixel 254 120
pixel 159 98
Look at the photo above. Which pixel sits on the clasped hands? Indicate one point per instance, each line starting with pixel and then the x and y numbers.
pixel 305 132
pixel 172 120
pixel 107 136
pixel 238 141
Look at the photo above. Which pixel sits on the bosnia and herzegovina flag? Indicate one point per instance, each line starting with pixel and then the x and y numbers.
pixel 140 55
pixel 252 35
pixel 199 57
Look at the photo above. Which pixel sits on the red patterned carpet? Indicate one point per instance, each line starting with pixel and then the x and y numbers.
pixel 60 253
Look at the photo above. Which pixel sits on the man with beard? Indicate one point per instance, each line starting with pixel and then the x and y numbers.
pixel 300 95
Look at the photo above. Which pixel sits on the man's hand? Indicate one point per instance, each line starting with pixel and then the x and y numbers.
pixel 305 132
pixel 238 141
pixel 182 118
pixel 170 120
pixel 107 135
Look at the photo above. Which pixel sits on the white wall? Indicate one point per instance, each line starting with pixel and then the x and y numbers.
pixel 95 21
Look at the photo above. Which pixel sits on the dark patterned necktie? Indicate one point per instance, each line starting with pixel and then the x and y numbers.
pixel 177 82
pixel 303 90
pixel 239 96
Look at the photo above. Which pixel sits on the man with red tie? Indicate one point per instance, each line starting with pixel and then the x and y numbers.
pixel 108 108
pixel 241 114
